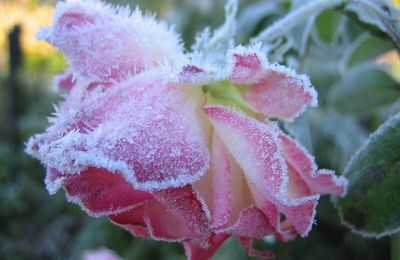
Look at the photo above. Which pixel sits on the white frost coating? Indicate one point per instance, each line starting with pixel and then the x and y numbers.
pixel 314 212
pixel 389 123
pixel 126 39
pixel 101 144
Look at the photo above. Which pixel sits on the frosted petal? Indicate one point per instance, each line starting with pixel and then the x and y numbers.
pixel 176 214
pixel 194 252
pixel 97 191
pixel 103 42
pixel 64 81
pixel 321 181
pixel 191 211
pixel 162 144
pixel 251 223
pixel 274 90
pixel 256 148
pixel 222 202
pixel 133 221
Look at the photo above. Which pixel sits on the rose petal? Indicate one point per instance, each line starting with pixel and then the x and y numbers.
pixel 164 146
pixel 256 148
pixel 321 181
pixel 221 184
pixel 190 209
pixel 97 191
pixel 102 42
pixel 251 223
pixel 133 221
pixel 64 81
pixel 274 90
pixel 194 252
pixel 175 214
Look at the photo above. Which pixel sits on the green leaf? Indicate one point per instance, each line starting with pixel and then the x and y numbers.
pixel 327 24
pixel 364 89
pixel 372 205
pixel 364 49
pixel 379 13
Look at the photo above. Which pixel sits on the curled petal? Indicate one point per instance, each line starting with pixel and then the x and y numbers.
pixel 133 221
pixel 175 214
pixel 256 148
pixel 98 191
pixel 106 43
pixel 195 252
pixel 319 181
pixel 274 90
pixel 162 147
pixel 251 223
pixel 190 209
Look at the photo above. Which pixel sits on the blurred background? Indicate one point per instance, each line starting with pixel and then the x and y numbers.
pixel 354 68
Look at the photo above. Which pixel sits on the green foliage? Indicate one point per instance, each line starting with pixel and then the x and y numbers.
pixel 379 13
pixel 364 89
pixel 372 205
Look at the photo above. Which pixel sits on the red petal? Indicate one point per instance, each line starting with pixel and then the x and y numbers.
pixel 251 223
pixel 186 205
pixel 321 181
pixel 133 221
pixel 99 191
pixel 274 90
pixel 64 81
pixel 174 215
pixel 194 252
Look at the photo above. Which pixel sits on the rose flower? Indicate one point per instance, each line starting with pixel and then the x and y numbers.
pixel 150 138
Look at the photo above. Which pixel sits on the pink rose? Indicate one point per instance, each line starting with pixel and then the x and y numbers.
pixel 154 142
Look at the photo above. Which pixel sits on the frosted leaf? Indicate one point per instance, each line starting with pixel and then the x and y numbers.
pixel 210 48
pixel 102 42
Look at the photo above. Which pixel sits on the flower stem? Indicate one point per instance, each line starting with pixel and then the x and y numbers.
pixel 285 24
pixel 395 246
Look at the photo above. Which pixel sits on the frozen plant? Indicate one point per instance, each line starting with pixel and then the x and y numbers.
pixel 178 146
